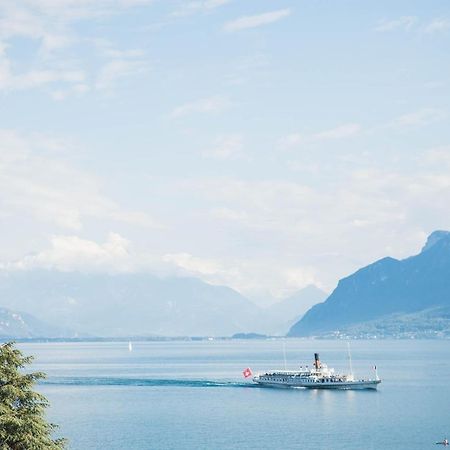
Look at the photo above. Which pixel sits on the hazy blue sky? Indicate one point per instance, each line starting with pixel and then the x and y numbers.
pixel 260 144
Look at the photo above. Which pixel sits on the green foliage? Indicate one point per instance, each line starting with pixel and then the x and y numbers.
pixel 22 410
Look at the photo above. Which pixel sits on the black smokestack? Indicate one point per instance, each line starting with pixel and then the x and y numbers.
pixel 316 360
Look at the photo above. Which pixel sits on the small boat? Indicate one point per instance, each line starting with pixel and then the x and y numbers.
pixel 317 377
pixel 130 346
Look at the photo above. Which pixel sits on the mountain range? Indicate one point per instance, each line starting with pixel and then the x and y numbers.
pixel 140 304
pixel 15 324
pixel 389 291
pixel 409 297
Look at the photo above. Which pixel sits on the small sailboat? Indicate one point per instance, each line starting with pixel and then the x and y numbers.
pixel 130 346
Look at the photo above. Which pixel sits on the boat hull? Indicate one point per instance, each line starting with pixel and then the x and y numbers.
pixel 349 385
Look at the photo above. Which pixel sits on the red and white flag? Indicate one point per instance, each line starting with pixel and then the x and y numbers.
pixel 247 372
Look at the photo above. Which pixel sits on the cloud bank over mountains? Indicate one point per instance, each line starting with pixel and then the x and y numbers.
pixel 259 148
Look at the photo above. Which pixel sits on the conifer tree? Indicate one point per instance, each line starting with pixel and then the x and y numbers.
pixel 23 425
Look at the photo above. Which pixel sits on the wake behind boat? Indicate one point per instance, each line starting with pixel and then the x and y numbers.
pixel 317 377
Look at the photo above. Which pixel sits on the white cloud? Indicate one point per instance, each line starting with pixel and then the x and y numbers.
pixel 193 265
pixel 50 24
pixel 209 105
pixel 34 77
pixel 438 25
pixel 244 70
pixel 73 10
pixel 62 94
pixel 118 255
pixel 229 214
pixel 340 132
pixel 393 207
pixel 226 147
pixel 439 156
pixel 192 7
pixel 422 117
pixel 253 278
pixel 72 253
pixel 210 4
pixel 20 20
pixel 245 22
pixel 118 64
pixel 418 118
pixel 390 206
pixel 403 23
pixel 117 69
pixel 407 23
pixel 34 182
pixel 292 140
pixel 260 205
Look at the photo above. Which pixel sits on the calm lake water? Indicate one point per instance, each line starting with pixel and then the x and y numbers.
pixel 191 395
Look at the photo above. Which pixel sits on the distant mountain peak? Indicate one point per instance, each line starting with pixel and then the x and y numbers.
pixel 385 287
pixel 16 325
pixel 434 238
pixel 311 288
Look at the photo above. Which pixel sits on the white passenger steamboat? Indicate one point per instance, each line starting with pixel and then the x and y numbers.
pixel 320 376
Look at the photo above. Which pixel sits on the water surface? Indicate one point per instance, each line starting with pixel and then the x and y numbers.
pixel 191 395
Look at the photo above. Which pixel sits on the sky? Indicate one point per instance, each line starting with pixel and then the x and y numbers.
pixel 263 145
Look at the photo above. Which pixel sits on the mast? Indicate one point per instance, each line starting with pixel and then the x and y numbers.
pixel 284 355
pixel 350 359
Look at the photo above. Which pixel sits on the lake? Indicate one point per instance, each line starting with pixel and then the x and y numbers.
pixel 191 395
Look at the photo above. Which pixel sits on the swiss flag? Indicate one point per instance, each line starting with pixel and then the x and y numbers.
pixel 247 372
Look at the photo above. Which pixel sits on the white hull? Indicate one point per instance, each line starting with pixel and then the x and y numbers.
pixel 357 384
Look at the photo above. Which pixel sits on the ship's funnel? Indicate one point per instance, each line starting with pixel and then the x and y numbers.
pixel 316 361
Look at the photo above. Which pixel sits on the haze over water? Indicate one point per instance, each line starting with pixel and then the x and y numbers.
pixel 191 395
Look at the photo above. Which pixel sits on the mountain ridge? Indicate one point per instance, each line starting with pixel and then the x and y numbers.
pixel 127 304
pixel 15 324
pixel 385 287
pixel 130 304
